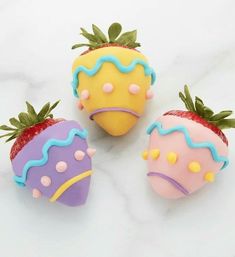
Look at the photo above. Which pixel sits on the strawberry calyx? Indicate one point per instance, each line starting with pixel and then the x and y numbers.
pixel 220 119
pixel 196 118
pixel 98 39
pixel 199 112
pixel 27 125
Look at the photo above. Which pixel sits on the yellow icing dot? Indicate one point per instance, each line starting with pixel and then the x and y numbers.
pixel 145 155
pixel 172 157
pixel 194 167
pixel 155 154
pixel 209 177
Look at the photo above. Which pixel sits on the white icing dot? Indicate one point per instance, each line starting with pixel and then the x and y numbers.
pixel 61 166
pixel 46 181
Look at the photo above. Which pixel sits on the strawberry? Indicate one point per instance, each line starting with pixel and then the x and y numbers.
pixel 28 125
pixel 50 156
pixel 187 148
pixel 112 79
pixel 99 39
pixel 195 117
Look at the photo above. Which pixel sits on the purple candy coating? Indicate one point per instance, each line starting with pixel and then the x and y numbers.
pixel 77 193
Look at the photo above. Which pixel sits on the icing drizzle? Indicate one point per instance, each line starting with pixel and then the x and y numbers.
pixel 68 184
pixel 20 180
pixel 148 71
pixel 190 143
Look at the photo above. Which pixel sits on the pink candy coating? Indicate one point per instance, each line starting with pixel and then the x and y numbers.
pixel 46 181
pixel 179 171
pixel 85 94
pixel 134 89
pixel 79 155
pixel 61 166
pixel 107 87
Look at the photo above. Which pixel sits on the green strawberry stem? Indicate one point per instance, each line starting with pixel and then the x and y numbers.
pixel 26 120
pixel 220 119
pixel 98 38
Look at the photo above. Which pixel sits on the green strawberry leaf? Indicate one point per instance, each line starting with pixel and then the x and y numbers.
pixel 189 98
pixel 199 107
pixel 199 100
pixel 114 31
pixel 43 112
pixel 133 45
pixel 80 45
pixel 11 138
pixel 89 36
pixel 221 115
pixel 14 122
pixel 31 111
pixel 24 118
pixel 54 105
pixel 127 37
pixel 99 34
pixel 225 124
pixel 208 112
pixel 7 128
pixel 182 97
pixel 7 135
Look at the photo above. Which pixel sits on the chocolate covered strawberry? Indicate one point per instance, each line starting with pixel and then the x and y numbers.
pixel 50 156
pixel 187 148
pixel 112 79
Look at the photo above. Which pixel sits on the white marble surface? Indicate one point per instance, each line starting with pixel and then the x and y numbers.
pixel 189 42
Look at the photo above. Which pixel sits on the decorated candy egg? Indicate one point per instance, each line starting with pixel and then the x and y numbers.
pixel 187 148
pixel 112 79
pixel 50 156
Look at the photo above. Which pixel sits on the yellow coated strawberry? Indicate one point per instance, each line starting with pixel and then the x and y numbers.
pixel 112 79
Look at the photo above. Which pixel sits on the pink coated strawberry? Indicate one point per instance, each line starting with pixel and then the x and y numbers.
pixel 187 148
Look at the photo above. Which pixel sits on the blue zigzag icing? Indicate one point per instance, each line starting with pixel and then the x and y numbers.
pixel 190 143
pixel 20 180
pixel 114 60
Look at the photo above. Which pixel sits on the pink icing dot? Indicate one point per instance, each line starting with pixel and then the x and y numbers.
pixel 134 89
pixel 107 87
pixel 79 155
pixel 80 105
pixel 46 181
pixel 91 152
pixel 36 193
pixel 149 94
pixel 85 94
pixel 61 166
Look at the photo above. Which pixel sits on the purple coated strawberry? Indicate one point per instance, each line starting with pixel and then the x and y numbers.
pixel 51 157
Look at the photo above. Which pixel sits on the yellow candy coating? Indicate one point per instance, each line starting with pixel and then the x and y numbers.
pixel 115 123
